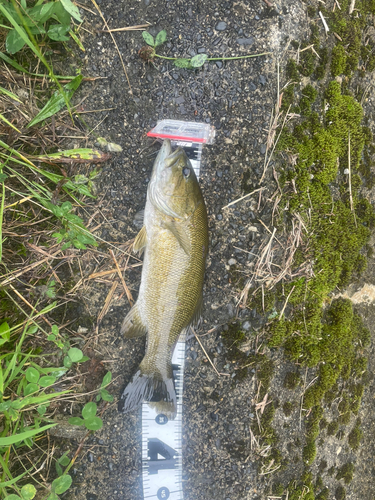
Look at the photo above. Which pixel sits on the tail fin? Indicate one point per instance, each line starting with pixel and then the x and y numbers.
pixel 153 388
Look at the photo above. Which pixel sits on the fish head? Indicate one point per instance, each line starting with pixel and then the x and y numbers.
pixel 174 188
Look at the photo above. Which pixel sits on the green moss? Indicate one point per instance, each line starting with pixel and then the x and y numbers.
pixel 291 71
pixel 359 366
pixel 264 375
pixel 331 471
pixel 338 62
pixel 277 489
pixel 309 452
pixel 323 424
pixel 332 341
pixel 340 493
pixel 323 495
pixel 292 380
pixel 332 428
pixel 346 473
pixel 319 483
pixel 301 490
pixel 288 408
pixel 355 436
pixel 311 11
pixel 320 70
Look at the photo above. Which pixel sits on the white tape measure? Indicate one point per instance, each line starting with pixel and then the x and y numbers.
pixel 162 442
pixel 161 437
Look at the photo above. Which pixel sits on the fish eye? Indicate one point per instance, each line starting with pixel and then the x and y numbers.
pixel 186 172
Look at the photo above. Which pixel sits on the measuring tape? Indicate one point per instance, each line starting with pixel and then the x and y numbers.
pixel 162 441
pixel 161 437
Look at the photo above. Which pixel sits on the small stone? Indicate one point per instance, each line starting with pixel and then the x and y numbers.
pixel 262 80
pixel 246 326
pixel 219 64
pixel 175 76
pixel 219 217
pixel 219 173
pixel 245 41
pixel 263 149
pixel 232 262
pixel 214 416
pixel 253 229
pixel 221 26
pixel 346 171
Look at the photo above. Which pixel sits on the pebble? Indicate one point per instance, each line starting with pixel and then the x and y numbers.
pixel 219 173
pixel 219 64
pixel 262 80
pixel 245 41
pixel 221 26
pixel 263 149
pixel 232 262
pixel 219 217
pixel 246 326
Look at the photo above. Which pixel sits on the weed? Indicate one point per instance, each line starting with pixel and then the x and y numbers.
pixel 52 20
pixel 89 418
pixel 149 53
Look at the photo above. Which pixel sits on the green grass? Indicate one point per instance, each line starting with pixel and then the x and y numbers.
pixel 38 209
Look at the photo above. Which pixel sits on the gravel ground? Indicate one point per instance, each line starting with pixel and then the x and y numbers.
pixel 237 98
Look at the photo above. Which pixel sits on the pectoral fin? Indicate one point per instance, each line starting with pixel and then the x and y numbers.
pixel 140 241
pixel 132 325
pixel 179 231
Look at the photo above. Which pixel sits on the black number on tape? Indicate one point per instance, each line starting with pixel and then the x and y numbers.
pixel 156 448
pixel 162 493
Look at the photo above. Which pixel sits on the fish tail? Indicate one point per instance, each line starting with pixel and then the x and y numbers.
pixel 153 388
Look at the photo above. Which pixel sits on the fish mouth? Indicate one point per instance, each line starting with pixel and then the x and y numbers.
pixel 173 158
pixel 164 153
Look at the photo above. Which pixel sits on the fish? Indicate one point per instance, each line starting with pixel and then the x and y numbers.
pixel 174 238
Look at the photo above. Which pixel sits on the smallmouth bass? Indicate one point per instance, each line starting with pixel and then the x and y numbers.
pixel 174 238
